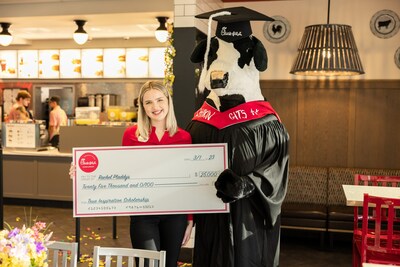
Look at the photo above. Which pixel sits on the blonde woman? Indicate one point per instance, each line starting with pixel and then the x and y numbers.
pixel 157 125
pixel 23 99
pixel 21 114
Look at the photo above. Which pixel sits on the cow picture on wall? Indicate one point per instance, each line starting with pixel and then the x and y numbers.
pixel 235 112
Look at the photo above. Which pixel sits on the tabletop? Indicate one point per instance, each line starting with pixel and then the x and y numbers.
pixel 355 193
pixel 374 265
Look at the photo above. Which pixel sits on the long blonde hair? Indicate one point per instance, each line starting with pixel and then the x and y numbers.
pixel 144 123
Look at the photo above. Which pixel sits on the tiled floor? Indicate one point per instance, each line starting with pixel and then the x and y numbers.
pixel 297 249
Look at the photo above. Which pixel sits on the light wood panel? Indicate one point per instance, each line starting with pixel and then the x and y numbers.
pixel 377 128
pixel 227 1
pixel 340 123
pixel 36 177
pixel 89 136
pixel 53 179
pixel 19 177
pixel 284 99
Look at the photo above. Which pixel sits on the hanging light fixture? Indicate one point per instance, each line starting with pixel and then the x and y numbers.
pixel 80 35
pixel 327 50
pixel 5 36
pixel 161 32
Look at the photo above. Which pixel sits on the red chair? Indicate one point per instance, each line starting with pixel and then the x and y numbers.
pixel 367 180
pixel 376 180
pixel 379 241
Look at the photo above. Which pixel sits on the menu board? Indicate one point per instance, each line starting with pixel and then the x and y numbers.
pixel 114 63
pixel 20 135
pixel 49 64
pixel 137 62
pixel 93 63
pixel 156 62
pixel 83 63
pixel 70 63
pixel 8 61
pixel 28 64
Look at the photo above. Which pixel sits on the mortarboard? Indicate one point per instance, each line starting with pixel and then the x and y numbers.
pixel 234 25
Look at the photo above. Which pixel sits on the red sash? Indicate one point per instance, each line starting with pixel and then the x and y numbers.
pixel 244 112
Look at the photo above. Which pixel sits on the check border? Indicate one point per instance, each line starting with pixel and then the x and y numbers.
pixel 221 207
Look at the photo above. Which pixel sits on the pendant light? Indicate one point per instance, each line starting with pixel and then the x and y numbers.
pixel 5 36
pixel 161 32
pixel 80 35
pixel 327 50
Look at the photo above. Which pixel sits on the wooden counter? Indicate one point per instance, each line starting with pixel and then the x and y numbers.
pixel 89 136
pixel 44 175
pixel 37 175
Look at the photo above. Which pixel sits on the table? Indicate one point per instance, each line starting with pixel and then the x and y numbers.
pixel 374 265
pixel 355 193
pixel 355 197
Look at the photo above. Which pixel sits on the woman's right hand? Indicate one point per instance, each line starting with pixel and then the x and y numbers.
pixel 72 171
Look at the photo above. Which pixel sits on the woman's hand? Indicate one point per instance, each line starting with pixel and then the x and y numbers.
pixel 72 171
pixel 188 233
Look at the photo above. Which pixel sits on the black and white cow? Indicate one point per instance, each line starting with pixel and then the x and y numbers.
pixel 233 68
pixel 235 112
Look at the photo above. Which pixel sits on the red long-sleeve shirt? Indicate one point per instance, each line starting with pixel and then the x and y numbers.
pixel 180 137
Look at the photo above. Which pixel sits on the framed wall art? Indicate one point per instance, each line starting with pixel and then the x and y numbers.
pixel 385 23
pixel 278 30
pixel 397 57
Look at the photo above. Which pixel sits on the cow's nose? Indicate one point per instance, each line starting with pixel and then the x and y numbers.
pixel 218 79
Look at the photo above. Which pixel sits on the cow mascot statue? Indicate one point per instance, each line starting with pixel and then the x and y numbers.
pixel 235 112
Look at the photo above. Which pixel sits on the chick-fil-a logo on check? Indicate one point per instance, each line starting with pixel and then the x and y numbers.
pixel 88 162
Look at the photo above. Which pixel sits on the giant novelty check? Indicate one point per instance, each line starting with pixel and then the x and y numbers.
pixel 144 180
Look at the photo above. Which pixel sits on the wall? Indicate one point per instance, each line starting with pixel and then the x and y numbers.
pixel 333 122
pixel 185 10
pixel 339 123
pixel 342 122
pixel 377 55
pixel 26 8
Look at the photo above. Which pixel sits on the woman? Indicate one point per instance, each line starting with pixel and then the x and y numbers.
pixel 21 114
pixel 22 100
pixel 157 125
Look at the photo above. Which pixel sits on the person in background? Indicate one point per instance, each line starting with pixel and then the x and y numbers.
pixel 157 125
pixel 57 118
pixel 29 113
pixel 23 100
pixel 21 114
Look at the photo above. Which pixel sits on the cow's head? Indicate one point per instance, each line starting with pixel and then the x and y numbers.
pixel 232 71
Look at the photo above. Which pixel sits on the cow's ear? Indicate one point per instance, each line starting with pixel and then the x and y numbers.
pixel 260 55
pixel 199 51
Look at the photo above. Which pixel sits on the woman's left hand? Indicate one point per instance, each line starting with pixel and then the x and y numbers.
pixel 188 233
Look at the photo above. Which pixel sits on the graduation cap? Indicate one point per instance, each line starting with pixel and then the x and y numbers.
pixel 234 23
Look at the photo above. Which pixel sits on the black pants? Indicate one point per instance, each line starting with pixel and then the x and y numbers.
pixel 159 232
pixel 55 140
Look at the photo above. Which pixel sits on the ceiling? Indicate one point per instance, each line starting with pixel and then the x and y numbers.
pixel 54 19
pixel 123 25
pixel 126 20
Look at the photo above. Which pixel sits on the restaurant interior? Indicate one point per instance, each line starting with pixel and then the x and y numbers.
pixel 342 118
